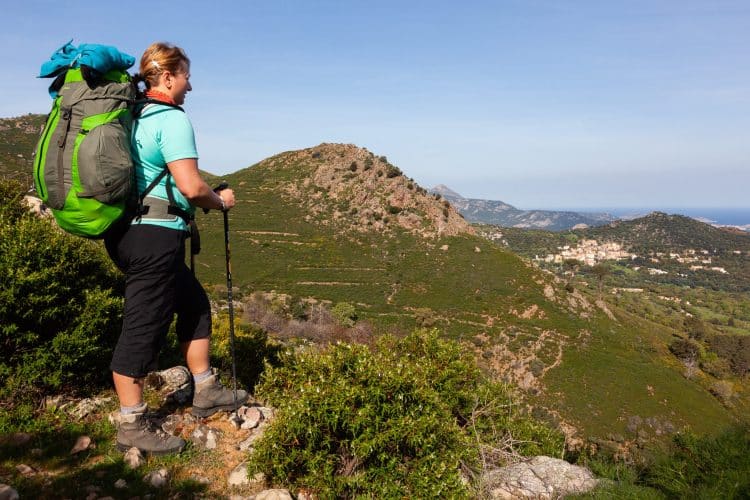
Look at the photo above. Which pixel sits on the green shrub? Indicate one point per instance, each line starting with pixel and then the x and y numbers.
pixel 252 348
pixel 394 420
pixel 705 467
pixel 392 171
pixel 345 314
pixel 59 307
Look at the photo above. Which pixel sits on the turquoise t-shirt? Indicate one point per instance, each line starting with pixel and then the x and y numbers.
pixel 162 134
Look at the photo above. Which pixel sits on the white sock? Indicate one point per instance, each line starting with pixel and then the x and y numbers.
pixel 200 377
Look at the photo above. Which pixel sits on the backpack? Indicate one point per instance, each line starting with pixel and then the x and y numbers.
pixel 83 169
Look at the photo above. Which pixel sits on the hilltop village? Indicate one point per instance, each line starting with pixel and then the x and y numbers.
pixel 590 252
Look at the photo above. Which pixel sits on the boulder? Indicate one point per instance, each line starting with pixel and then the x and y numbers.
pixel 8 493
pixel 539 478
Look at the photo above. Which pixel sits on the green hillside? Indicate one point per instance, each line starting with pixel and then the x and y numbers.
pixel 18 137
pixel 297 230
pixel 336 223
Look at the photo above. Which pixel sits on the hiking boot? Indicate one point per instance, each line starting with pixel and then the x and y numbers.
pixel 136 430
pixel 210 396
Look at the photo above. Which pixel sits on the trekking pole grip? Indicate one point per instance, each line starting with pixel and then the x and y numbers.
pixel 221 187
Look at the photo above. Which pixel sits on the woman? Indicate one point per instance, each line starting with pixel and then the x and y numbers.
pixel 150 250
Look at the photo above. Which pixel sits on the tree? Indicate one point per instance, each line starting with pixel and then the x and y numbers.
pixel 600 271
pixel 571 265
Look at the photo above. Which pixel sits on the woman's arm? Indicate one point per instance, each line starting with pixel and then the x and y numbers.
pixel 195 189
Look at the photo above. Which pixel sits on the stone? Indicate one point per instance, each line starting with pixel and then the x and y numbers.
pixel 305 495
pixel 200 479
pixel 16 440
pixel 92 489
pixel 205 437
pixel 267 412
pixel 92 496
pixel 238 476
pixel 25 470
pixel 173 424
pixel 248 443
pixel 251 417
pixel 82 444
pixel 121 484
pixel 175 384
pixel 158 478
pixel 539 478
pixel 274 494
pixel 8 493
pixel 86 407
pixel 36 452
pixel 133 458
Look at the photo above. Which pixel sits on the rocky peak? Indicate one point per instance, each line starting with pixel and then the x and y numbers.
pixel 356 190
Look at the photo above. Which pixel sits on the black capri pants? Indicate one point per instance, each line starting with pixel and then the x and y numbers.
pixel 158 285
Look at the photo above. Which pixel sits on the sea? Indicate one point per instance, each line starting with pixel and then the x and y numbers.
pixel 739 217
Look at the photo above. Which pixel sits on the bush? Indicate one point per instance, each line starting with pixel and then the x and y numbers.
pixel 394 420
pixel 707 467
pixel 252 348
pixel 392 171
pixel 735 349
pixel 685 349
pixel 345 314
pixel 59 307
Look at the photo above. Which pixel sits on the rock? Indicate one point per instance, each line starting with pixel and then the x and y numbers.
pixel 88 406
pixel 200 479
pixel 92 489
pixel 205 437
pixel 133 458
pixel 175 384
pixel 36 452
pixel 106 498
pixel 248 443
pixel 92 496
pixel 16 440
pixel 25 470
pixel 275 494
pixel 8 493
pixel 267 412
pixel 477 250
pixel 251 417
pixel 173 424
pixel 540 478
pixel 238 476
pixel 305 495
pixel 158 478
pixel 82 443
pixel 121 484
pixel 444 248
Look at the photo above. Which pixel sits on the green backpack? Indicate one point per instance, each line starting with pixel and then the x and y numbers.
pixel 83 169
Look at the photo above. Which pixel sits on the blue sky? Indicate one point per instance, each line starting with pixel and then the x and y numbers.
pixel 541 104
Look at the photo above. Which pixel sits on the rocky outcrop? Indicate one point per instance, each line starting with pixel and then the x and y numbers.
pixel 355 190
pixel 539 478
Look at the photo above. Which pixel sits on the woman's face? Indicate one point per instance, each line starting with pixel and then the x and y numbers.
pixel 180 84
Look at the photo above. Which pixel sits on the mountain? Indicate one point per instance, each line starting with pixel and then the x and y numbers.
pixel 18 138
pixel 502 214
pixel 336 223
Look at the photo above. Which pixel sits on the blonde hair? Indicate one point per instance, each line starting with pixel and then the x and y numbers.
pixel 157 58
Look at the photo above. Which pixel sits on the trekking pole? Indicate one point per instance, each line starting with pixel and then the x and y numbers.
pixel 230 304
pixel 228 253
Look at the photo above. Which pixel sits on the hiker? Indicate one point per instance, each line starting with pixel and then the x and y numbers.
pixel 150 249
